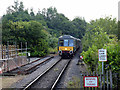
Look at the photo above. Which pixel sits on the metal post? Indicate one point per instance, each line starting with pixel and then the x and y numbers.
pixel 21 47
pixel 7 55
pixel 16 49
pixel 100 81
pixel 8 49
pixel 103 75
pixel 102 67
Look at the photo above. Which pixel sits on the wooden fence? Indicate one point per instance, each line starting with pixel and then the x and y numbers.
pixel 107 80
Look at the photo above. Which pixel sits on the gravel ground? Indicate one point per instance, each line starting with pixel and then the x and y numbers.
pixel 47 80
pixel 72 74
pixel 22 83
pixel 7 81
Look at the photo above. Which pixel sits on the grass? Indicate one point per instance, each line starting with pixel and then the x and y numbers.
pixel 22 54
pixel 56 69
pixel 74 83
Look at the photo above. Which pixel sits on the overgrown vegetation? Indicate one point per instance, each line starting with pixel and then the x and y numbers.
pixel 40 30
pixel 102 33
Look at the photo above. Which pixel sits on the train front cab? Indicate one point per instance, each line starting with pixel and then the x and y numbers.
pixel 66 47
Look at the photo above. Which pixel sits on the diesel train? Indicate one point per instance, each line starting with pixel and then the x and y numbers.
pixel 67 45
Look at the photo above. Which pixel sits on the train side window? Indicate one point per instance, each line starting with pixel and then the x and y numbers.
pixel 70 42
pixel 65 42
pixel 61 43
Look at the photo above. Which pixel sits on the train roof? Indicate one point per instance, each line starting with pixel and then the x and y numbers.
pixel 78 39
pixel 68 37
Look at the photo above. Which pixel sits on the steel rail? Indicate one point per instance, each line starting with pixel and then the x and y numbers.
pixel 26 70
pixel 28 86
pixel 58 78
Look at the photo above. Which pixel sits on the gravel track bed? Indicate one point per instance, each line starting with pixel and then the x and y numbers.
pixel 25 81
pixel 72 73
pixel 47 80
pixel 21 69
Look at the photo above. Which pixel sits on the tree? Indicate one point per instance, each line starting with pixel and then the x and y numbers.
pixel 98 32
pixel 80 26
pixel 21 7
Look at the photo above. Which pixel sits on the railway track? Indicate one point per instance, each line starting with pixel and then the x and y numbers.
pixel 28 68
pixel 50 77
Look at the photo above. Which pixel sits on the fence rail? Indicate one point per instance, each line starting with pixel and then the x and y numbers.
pixel 11 51
pixel 107 80
pixel 10 57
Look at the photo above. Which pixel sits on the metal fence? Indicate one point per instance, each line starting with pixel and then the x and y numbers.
pixel 11 56
pixel 11 51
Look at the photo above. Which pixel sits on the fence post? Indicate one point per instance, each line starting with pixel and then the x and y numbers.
pixel 7 55
pixel 93 75
pixel 21 47
pixel 87 87
pixel 107 80
pixel 81 79
pixel 117 81
pixel 110 78
pixel 97 75
pixel 2 51
pixel 15 49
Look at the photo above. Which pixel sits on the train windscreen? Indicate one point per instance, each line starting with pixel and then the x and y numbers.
pixel 65 42
pixel 70 42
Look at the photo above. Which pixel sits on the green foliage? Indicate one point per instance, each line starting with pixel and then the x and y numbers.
pixel 113 56
pixel 91 57
pixel 101 33
pixel 95 36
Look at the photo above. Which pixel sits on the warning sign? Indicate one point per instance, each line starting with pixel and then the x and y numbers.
pixel 102 55
pixel 90 81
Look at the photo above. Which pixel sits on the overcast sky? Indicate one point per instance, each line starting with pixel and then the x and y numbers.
pixel 89 9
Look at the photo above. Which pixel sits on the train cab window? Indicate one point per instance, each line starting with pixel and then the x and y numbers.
pixel 65 42
pixel 70 42
pixel 61 43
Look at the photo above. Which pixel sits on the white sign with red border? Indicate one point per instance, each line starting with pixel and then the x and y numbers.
pixel 102 55
pixel 90 81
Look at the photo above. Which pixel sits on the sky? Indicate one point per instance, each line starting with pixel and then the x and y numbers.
pixel 89 9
